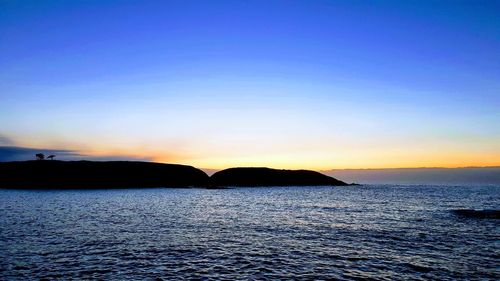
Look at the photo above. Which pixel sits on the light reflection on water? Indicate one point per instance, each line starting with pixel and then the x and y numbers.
pixel 383 232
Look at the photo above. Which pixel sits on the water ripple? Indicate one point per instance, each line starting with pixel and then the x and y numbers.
pixel 325 233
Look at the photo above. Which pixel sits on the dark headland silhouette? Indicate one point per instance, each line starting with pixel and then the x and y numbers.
pixel 271 177
pixel 54 174
pixel 41 174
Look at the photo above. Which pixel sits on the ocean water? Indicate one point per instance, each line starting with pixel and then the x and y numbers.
pixel 382 232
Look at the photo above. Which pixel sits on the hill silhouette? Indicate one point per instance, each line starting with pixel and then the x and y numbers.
pixel 92 174
pixel 271 177
pixel 53 174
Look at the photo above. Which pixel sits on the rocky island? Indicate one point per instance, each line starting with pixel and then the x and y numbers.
pixel 52 174
pixel 271 177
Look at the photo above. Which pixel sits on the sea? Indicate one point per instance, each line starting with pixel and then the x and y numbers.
pixel 374 232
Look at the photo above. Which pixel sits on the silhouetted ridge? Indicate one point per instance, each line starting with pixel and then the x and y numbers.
pixel 90 174
pixel 271 177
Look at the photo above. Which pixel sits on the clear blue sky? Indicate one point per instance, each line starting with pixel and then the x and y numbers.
pixel 313 84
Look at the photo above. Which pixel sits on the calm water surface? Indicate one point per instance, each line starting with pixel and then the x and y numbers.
pixel 379 232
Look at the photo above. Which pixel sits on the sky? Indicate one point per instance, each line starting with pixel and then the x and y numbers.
pixel 285 84
pixel 471 176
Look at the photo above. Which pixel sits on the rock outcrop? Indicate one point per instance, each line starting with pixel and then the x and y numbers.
pixel 477 214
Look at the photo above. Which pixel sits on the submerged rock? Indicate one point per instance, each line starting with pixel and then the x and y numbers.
pixel 92 174
pixel 478 214
pixel 271 177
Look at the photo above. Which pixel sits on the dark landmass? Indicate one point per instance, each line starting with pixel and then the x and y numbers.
pixel 271 177
pixel 90 174
pixel 477 214
pixel 52 174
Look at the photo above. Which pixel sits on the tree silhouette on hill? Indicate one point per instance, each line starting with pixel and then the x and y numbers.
pixel 40 156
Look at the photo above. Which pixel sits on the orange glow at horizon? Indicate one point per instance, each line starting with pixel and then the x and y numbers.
pixel 324 163
pixel 321 153
pixel 291 157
